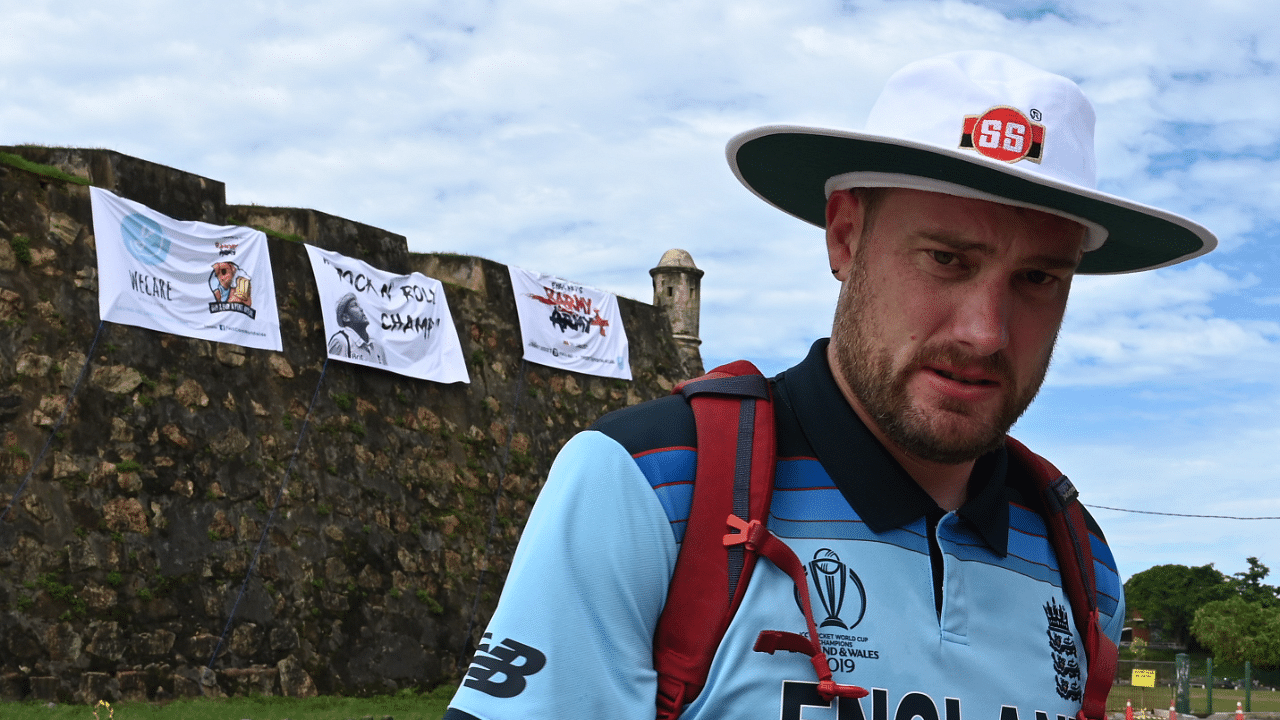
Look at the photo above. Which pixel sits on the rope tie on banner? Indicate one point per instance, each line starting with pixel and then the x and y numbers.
pixel 53 432
pixel 302 433
pixel 468 648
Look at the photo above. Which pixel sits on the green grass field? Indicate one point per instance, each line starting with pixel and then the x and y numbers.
pixel 428 706
pixel 1159 698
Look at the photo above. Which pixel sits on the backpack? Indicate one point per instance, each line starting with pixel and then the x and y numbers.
pixel 726 533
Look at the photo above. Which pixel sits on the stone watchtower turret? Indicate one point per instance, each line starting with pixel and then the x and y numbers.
pixel 677 288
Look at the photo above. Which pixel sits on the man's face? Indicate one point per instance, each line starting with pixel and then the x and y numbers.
pixel 354 316
pixel 947 316
pixel 225 272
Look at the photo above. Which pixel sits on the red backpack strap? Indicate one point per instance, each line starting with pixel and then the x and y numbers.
pixel 733 409
pixel 1069 535
pixel 758 540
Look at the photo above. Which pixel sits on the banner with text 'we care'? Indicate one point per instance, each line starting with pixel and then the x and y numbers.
pixel 194 279
pixel 399 323
pixel 570 326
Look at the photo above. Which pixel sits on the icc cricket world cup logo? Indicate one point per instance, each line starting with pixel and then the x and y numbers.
pixel 836 586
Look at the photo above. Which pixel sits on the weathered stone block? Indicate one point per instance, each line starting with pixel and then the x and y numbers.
pixel 200 647
pixel 369 578
pixel 35 507
pixel 45 688
pixel 334 602
pixel 51 407
pixel 154 644
pixel 230 355
pixel 133 685
pixel 95 686
pixel 245 640
pixel 101 473
pixel 33 365
pixel 187 687
pixel 13 686
pixel 221 526
pixel 107 642
pixel 190 394
pixel 174 434
pixel 87 278
pixel 13 464
pixel 283 638
pixel 63 643
pixel 63 229
pixel 335 571
pixel 130 482
pixel 230 443
pixel 251 681
pixel 125 514
pixel 280 366
pixel 294 679
pixel 64 466
pixel 120 430
pixel 72 365
pixel 120 379
pixel 97 597
pixel 44 259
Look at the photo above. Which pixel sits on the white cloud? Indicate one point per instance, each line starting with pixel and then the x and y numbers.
pixel 584 139
pixel 1160 326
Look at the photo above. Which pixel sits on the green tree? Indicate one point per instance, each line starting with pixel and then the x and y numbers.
pixel 1168 596
pixel 1249 585
pixel 1235 630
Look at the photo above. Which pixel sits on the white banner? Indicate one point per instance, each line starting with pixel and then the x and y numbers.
pixel 194 279
pixel 569 326
pixel 399 323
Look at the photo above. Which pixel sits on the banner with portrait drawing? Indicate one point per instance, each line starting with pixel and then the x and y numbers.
pixel 211 282
pixel 399 323
pixel 569 326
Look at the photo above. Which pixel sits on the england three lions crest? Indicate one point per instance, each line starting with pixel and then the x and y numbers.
pixel 1062 646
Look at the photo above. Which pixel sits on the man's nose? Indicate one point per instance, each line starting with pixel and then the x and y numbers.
pixel 982 317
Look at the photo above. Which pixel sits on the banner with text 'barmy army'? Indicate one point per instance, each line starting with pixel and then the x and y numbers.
pixel 569 326
pixel 399 323
pixel 211 282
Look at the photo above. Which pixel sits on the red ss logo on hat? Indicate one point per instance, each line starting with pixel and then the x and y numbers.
pixel 1003 133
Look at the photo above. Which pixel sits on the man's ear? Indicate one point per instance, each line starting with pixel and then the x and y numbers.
pixel 845 213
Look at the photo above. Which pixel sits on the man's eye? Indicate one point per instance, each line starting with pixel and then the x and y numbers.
pixel 942 257
pixel 1039 277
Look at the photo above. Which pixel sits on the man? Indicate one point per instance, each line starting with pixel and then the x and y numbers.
pixel 229 284
pixel 353 341
pixel 955 224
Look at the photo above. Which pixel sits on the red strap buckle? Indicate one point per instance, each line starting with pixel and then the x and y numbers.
pixel 829 689
pixel 771 641
pixel 748 533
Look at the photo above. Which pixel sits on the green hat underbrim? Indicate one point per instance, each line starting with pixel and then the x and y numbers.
pixel 788 168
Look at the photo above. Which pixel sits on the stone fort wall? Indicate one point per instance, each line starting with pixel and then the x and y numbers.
pixel 122 559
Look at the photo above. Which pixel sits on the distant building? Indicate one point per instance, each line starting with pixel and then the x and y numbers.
pixel 677 288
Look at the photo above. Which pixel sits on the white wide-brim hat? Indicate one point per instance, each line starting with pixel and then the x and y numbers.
pixel 974 124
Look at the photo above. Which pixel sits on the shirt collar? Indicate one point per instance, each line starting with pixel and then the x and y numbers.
pixel 354 338
pixel 873 483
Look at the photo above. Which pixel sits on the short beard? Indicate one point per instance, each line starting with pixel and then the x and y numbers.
pixel 945 436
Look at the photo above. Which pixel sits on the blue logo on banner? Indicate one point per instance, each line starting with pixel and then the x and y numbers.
pixel 145 239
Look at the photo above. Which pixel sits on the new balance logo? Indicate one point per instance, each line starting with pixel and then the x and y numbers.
pixel 510 662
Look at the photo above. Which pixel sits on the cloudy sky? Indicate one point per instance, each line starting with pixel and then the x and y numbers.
pixel 584 138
